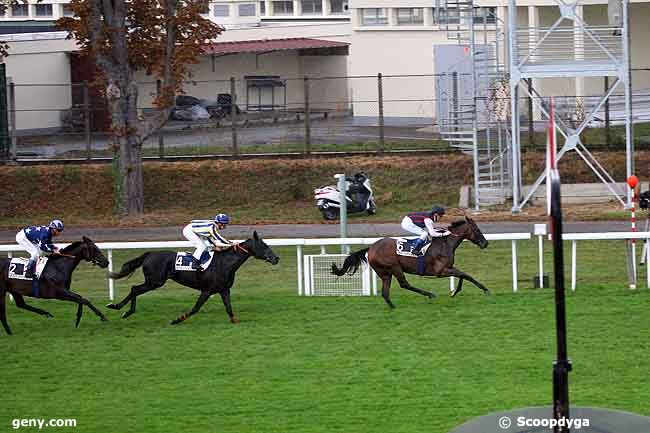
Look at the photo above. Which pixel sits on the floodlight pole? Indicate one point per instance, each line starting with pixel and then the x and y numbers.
pixel 562 365
pixel 343 210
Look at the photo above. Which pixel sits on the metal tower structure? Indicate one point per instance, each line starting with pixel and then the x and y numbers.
pixel 578 50
pixel 471 114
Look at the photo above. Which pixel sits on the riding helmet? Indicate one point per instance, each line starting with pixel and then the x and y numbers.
pixel 438 209
pixel 56 224
pixel 222 218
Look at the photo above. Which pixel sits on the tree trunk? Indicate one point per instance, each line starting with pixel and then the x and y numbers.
pixel 127 146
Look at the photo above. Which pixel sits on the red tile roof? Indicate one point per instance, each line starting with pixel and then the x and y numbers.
pixel 266 45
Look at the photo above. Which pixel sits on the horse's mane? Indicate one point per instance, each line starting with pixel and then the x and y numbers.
pixel 457 223
pixel 71 247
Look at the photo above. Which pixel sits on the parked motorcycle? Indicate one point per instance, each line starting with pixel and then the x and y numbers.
pixel 359 197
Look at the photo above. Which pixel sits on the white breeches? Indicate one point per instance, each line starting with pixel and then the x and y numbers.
pixel 33 250
pixel 408 225
pixel 198 242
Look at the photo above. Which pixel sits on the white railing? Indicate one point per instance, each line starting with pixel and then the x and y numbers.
pixel 324 242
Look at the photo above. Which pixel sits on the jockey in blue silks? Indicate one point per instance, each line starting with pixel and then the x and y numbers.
pixel 38 240
pixel 204 235
pixel 425 224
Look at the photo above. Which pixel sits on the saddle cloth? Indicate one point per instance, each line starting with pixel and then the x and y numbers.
pixel 184 261
pixel 404 247
pixel 18 266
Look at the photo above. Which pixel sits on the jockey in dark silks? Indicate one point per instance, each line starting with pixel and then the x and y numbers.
pixel 425 224
pixel 38 240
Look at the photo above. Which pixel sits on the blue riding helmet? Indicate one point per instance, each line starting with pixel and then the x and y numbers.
pixel 222 218
pixel 56 224
pixel 438 209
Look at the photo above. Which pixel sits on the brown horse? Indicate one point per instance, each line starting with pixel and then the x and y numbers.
pixel 438 260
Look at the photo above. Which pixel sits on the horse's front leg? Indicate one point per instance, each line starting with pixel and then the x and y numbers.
pixel 225 297
pixel 81 301
pixel 453 272
pixel 204 296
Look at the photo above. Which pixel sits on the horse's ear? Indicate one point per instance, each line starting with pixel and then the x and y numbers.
pixel 255 236
pixel 86 240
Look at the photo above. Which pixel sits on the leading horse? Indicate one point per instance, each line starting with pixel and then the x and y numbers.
pixel 219 277
pixel 54 282
pixel 438 260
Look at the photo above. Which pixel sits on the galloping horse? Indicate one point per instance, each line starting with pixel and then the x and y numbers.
pixel 54 282
pixel 219 277
pixel 438 260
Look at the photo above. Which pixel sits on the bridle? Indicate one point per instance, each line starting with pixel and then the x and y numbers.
pixel 242 249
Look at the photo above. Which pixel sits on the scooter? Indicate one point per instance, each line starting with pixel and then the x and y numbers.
pixel 359 197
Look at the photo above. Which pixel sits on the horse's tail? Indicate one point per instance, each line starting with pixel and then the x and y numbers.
pixel 351 263
pixel 128 268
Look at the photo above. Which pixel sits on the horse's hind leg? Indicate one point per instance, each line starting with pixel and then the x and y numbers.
pixel 458 288
pixel 204 296
pixel 404 284
pixel 20 303
pixel 453 272
pixel 385 288
pixel 135 292
pixel 3 311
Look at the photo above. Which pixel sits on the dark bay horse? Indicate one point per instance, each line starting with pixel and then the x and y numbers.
pixel 219 277
pixel 54 282
pixel 438 260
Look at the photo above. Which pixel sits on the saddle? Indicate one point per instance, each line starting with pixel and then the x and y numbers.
pixel 185 262
pixel 404 247
pixel 18 267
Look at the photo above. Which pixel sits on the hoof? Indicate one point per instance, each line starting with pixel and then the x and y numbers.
pixel 175 322
pixel 487 292
pixel 49 316
pixel 126 314
pixel 234 320
pixel 431 295
pixel 112 306
pixel 103 319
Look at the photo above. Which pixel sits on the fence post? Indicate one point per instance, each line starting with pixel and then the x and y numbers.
pixel 233 116
pixel 380 97
pixel 531 121
pixel 87 120
pixel 307 118
pixel 608 137
pixel 161 137
pixel 12 120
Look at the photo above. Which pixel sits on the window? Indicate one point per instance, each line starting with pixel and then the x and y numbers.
pixel 43 10
pixel 66 11
pixel 262 8
pixel 489 15
pixel 221 10
pixel 410 16
pixel 446 16
pixel 374 17
pixel 339 7
pixel 283 8
pixel 310 7
pixel 247 10
pixel 20 10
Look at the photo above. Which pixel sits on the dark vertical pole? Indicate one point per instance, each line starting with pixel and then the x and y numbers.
pixel 161 138
pixel 4 114
pixel 562 365
pixel 608 137
pixel 233 115
pixel 307 118
pixel 12 121
pixel 380 97
pixel 87 120
pixel 531 120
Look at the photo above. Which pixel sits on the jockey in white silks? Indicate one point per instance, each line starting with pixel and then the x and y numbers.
pixel 204 235
pixel 425 224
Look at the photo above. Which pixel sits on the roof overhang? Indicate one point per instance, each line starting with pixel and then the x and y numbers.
pixel 305 46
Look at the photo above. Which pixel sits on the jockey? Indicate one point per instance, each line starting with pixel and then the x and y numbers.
pixel 38 240
pixel 204 234
pixel 425 224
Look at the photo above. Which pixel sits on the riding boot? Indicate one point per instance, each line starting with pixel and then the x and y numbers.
pixel 196 264
pixel 31 269
pixel 417 246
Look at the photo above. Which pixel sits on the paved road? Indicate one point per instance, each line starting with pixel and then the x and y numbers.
pixel 299 231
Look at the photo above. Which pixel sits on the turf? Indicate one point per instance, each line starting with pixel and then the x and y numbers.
pixel 349 365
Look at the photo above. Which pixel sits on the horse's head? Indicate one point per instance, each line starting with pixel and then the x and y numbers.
pixel 91 253
pixel 262 251
pixel 467 229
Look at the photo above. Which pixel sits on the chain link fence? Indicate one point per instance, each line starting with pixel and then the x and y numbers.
pixel 274 115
